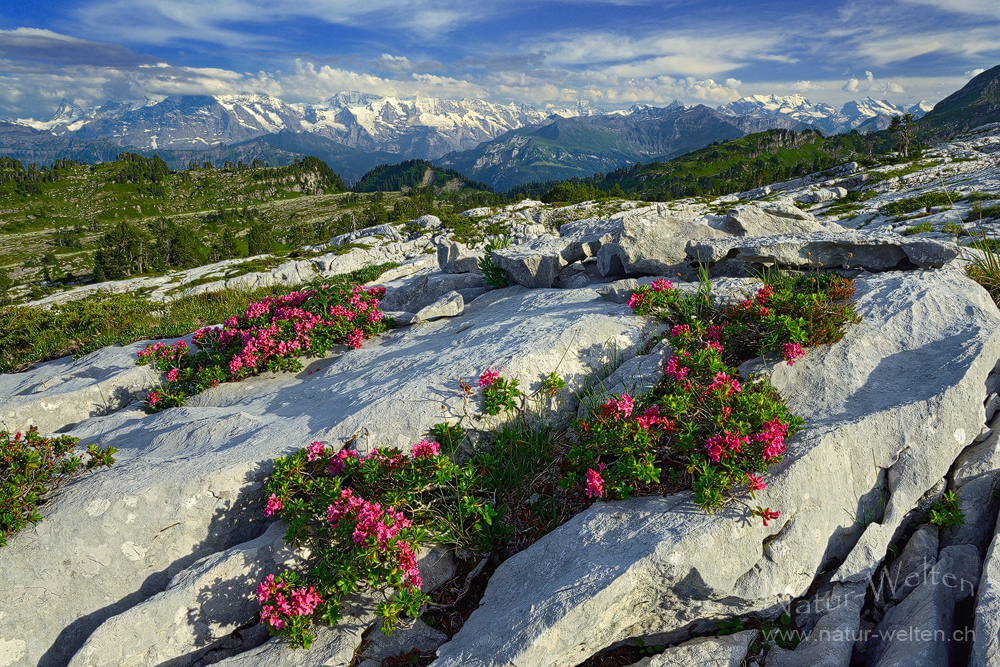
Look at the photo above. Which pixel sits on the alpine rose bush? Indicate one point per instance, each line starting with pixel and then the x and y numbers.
pixel 723 430
pixel 363 519
pixel 269 336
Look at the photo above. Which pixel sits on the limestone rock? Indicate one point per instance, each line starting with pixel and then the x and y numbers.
pixel 455 257
pixel 653 246
pixel 975 480
pixel 831 642
pixel 58 394
pixel 725 651
pixel 770 221
pixel 537 262
pixel 429 222
pixel 417 636
pixel 920 629
pixel 200 606
pixel 874 251
pixel 986 647
pixel 447 305
pixel 413 293
pixel 652 566
pixel 188 482
pixel 910 570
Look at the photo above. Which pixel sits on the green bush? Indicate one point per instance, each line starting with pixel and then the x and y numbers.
pixel 492 274
pixel 918 229
pixel 31 466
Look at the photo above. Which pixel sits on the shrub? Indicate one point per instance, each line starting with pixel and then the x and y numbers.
pixel 270 335
pixel 924 201
pixel 952 228
pixel 449 435
pixel 499 393
pixel 918 229
pixel 945 513
pixel 362 520
pixel 723 429
pixel 31 466
pixel 492 274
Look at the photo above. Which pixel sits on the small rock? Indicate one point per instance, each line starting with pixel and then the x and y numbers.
pixel 726 651
pixel 449 305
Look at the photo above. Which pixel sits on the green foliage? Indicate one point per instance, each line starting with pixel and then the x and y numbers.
pixel 741 164
pixel 924 201
pixel 329 502
pixel 918 229
pixel 29 334
pixel 492 274
pixel 259 239
pixel 413 174
pixel 953 228
pixel 552 384
pixel 499 395
pixel 450 436
pixel 31 466
pixel 946 513
pixel 984 267
pixel 724 430
pixel 282 329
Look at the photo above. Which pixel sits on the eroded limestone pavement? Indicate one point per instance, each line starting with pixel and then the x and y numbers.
pixel 153 561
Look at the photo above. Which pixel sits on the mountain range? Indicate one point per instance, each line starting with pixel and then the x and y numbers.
pixel 501 144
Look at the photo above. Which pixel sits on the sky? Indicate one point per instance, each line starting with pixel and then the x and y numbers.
pixel 612 54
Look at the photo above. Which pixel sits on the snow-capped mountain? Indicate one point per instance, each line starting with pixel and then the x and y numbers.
pixel 759 112
pixel 417 127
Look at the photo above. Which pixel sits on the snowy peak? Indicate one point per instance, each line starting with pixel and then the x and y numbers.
pixel 791 110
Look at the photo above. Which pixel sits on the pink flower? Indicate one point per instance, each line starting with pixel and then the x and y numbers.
pixel 620 408
pixel 792 351
pixel 315 451
pixel 634 301
pixel 772 436
pixel 756 482
pixel 172 375
pixel 679 330
pixel 768 515
pixel 764 293
pixel 304 601
pixel 424 448
pixel 273 505
pixel 595 483
pixel 713 332
pixel 714 345
pixel 153 398
pixel 717 445
pixel 488 377
pixel 354 339
pixel 661 285
pixel 727 384
pixel 674 369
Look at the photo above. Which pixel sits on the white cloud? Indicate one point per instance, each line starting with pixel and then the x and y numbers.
pixel 973 73
pixel 871 86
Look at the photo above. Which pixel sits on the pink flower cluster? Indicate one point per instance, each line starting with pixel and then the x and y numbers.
pixel 378 528
pixel 488 377
pixel 314 451
pixel 773 438
pixel 339 461
pixel 725 383
pixel 283 602
pixel 756 483
pixel 661 285
pixel 635 301
pixel 424 448
pixel 273 505
pixel 674 368
pixel 620 408
pixel 792 351
pixel 354 339
pixel 679 330
pixel 651 417
pixel 595 483
pixel 713 332
pixel 719 446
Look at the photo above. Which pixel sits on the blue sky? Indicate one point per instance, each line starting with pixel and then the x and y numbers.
pixel 612 54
